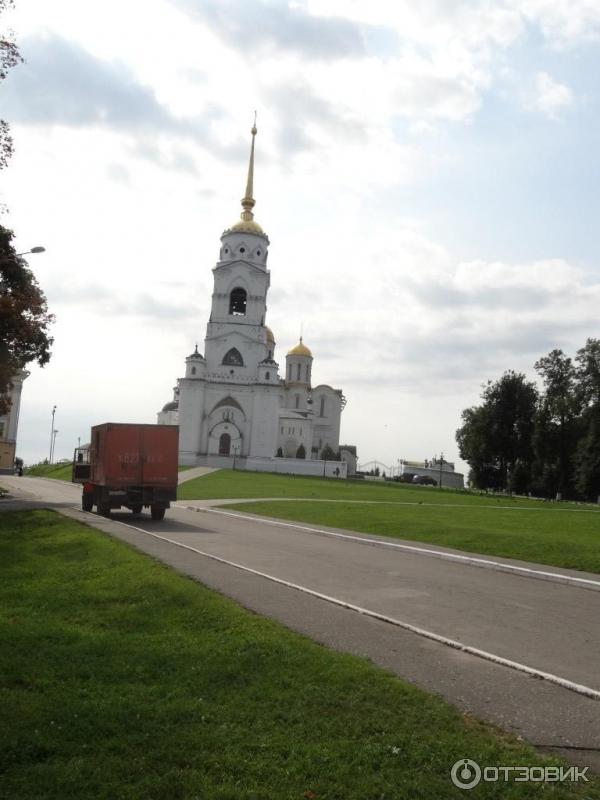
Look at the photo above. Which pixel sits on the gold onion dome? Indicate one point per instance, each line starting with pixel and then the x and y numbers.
pixel 300 350
pixel 270 337
pixel 247 223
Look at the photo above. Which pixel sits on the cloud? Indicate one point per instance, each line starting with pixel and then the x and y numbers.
pixel 300 110
pixel 550 96
pixel 261 26
pixel 106 302
pixel 562 22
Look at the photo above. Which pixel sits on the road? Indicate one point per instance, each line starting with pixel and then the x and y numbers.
pixel 538 622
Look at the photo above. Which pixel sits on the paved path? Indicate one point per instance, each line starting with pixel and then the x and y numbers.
pixel 549 626
pixel 194 472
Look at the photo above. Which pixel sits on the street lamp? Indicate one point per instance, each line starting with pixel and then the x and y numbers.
pixel 38 249
pixel 235 452
pixel 441 467
pixel 52 433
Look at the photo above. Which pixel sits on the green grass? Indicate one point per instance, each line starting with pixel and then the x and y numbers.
pixel 60 471
pixel 226 483
pixel 125 680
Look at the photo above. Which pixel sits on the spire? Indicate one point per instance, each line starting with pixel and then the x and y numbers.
pixel 248 201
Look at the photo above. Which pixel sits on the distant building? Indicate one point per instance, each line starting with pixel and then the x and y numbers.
pixel 9 424
pixel 232 400
pixel 442 472
pixel 349 457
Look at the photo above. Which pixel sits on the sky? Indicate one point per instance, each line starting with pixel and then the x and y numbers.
pixel 428 175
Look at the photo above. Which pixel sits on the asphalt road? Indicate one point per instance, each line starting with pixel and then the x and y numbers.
pixel 547 625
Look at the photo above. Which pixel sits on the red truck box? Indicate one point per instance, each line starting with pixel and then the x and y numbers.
pixel 129 465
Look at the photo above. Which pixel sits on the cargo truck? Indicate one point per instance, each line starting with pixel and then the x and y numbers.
pixel 131 466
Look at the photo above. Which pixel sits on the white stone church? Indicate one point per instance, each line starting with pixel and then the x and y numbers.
pixel 232 400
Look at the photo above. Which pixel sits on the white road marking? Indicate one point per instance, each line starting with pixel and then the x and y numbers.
pixel 558 577
pixel 436 637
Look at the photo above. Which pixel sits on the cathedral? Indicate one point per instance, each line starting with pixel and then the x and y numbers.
pixel 232 401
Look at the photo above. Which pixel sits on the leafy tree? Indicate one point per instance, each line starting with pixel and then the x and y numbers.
pixel 587 457
pixel 9 57
pixel 496 437
pixel 24 317
pixel 301 452
pixel 329 454
pixel 588 373
pixel 557 422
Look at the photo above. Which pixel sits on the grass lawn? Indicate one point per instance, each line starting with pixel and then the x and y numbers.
pixel 125 680
pixel 225 483
pixel 61 471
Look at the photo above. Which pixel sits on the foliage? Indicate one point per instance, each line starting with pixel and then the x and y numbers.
pixel 496 438
pixel 301 452
pixel 24 317
pixel 9 57
pixel 546 443
pixel 329 454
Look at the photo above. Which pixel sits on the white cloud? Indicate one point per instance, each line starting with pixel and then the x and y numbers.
pixel 550 97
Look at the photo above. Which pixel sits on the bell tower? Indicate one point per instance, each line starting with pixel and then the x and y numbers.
pixel 236 335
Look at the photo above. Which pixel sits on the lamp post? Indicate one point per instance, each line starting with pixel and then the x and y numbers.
pixel 38 249
pixel 235 452
pixel 441 466
pixel 52 433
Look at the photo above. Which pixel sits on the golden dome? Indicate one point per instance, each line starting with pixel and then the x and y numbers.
pixel 246 226
pixel 270 337
pixel 300 350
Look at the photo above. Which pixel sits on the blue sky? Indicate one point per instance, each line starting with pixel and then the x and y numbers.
pixel 427 174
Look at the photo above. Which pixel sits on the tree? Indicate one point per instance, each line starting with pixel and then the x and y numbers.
pixel 496 437
pixel 557 422
pixel 24 317
pixel 301 452
pixel 328 454
pixel 587 457
pixel 9 57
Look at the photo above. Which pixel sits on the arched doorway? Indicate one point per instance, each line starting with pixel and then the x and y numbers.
pixel 224 444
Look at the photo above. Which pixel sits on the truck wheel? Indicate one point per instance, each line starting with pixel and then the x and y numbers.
pixel 157 512
pixel 87 502
pixel 104 511
pixel 137 509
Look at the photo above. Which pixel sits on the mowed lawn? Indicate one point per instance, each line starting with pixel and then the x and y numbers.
pixel 557 534
pixel 122 679
pixel 61 471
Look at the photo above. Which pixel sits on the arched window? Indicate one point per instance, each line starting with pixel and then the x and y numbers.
pixel 307 373
pixel 224 444
pixel 233 358
pixel 297 401
pixel 237 302
pixel 322 408
pixel 193 370
pixel 289 372
pixel 267 376
pixel 298 372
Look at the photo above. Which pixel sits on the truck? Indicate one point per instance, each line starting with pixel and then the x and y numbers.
pixel 128 465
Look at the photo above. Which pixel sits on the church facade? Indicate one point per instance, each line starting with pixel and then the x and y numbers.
pixel 232 400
